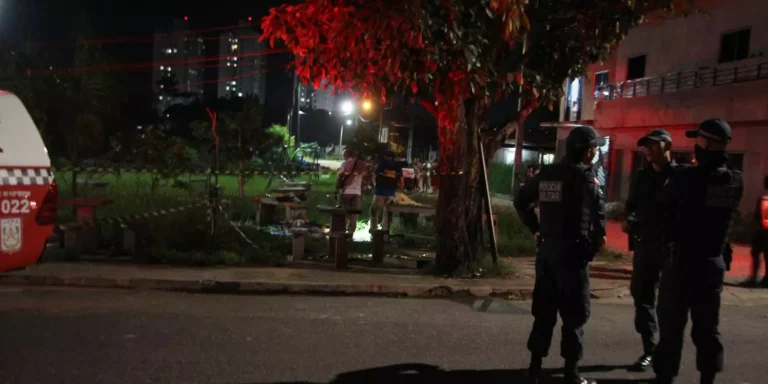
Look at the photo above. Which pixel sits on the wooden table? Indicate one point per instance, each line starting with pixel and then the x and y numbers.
pixel 381 236
pixel 300 193
pixel 85 236
pixel 266 207
pixel 337 236
pixel 299 184
pixel 93 184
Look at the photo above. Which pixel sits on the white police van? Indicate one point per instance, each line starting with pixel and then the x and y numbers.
pixel 28 193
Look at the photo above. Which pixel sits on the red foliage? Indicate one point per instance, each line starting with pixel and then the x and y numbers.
pixel 370 46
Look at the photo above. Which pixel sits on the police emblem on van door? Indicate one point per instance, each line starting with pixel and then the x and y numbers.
pixel 10 235
pixel 551 191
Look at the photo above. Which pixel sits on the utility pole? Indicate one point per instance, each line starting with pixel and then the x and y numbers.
pixel 293 122
pixel 410 141
pixel 520 131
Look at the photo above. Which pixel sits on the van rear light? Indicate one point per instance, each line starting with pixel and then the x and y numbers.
pixel 46 215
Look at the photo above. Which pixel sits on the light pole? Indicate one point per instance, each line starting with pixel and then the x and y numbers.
pixel 341 133
pixel 347 108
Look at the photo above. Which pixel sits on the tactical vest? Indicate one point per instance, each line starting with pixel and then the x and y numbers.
pixel 705 211
pixel 561 202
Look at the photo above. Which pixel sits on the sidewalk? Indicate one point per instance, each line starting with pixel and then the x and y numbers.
pixel 302 279
pixel 291 280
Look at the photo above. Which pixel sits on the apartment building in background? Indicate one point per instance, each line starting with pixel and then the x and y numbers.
pixel 242 63
pixel 178 60
pixel 311 98
pixel 674 75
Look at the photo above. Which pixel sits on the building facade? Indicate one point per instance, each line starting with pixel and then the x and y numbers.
pixel 674 75
pixel 178 61
pixel 242 67
pixel 311 98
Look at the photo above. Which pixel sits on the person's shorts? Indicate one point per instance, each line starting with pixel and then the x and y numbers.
pixel 350 201
pixel 760 241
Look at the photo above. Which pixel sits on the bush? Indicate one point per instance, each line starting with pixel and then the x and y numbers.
pixel 500 178
pixel 514 238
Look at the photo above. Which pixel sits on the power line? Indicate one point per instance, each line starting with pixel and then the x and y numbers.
pixel 151 38
pixel 154 63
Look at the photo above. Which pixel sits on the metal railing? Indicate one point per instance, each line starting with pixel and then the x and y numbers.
pixel 682 81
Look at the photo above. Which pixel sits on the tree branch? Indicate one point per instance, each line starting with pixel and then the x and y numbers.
pixel 505 132
pixel 429 106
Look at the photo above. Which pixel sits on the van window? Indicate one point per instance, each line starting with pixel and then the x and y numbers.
pixel 20 141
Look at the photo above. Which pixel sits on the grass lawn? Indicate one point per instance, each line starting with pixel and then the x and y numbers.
pixel 185 235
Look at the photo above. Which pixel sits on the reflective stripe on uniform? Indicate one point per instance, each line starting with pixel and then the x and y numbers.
pixel 25 176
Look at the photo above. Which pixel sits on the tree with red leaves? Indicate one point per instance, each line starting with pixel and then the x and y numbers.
pixel 455 57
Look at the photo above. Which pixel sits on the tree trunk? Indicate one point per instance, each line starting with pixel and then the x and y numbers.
pixel 459 204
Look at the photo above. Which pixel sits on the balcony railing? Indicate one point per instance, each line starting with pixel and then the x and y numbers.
pixel 682 81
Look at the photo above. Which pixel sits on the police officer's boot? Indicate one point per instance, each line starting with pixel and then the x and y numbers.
pixel 707 378
pixel 572 374
pixel 646 360
pixel 534 369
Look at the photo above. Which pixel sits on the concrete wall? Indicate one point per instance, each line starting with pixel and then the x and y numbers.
pixel 688 43
pixel 746 101
pixel 506 156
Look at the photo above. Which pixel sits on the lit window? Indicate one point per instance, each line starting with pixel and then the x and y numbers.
pixel 234 82
pixel 169 69
pixel 240 94
pixel 234 58
pixel 162 67
pixel 227 87
pixel 234 47
pixel 235 64
pixel 229 64
pixel 169 50
pixel 160 97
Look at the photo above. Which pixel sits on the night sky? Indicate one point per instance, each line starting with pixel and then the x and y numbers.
pixel 50 24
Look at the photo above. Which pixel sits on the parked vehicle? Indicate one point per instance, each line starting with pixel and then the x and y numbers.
pixel 28 192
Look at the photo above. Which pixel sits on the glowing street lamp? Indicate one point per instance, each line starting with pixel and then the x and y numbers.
pixel 367 105
pixel 347 108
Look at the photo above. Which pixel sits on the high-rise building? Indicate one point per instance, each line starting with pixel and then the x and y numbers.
pixel 178 57
pixel 242 69
pixel 311 98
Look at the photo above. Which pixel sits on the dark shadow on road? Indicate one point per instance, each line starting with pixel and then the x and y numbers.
pixel 424 373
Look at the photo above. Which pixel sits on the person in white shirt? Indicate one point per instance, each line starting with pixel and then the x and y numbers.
pixel 349 182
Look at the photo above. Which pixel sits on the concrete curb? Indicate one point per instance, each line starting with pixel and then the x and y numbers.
pixel 270 287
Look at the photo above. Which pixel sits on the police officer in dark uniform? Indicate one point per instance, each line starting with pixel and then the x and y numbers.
pixel 570 232
pixel 701 202
pixel 644 220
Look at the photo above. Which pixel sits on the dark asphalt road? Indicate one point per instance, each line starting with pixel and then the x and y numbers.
pixel 101 336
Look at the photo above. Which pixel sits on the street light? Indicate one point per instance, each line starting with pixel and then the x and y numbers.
pixel 367 105
pixel 347 107
pixel 341 133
